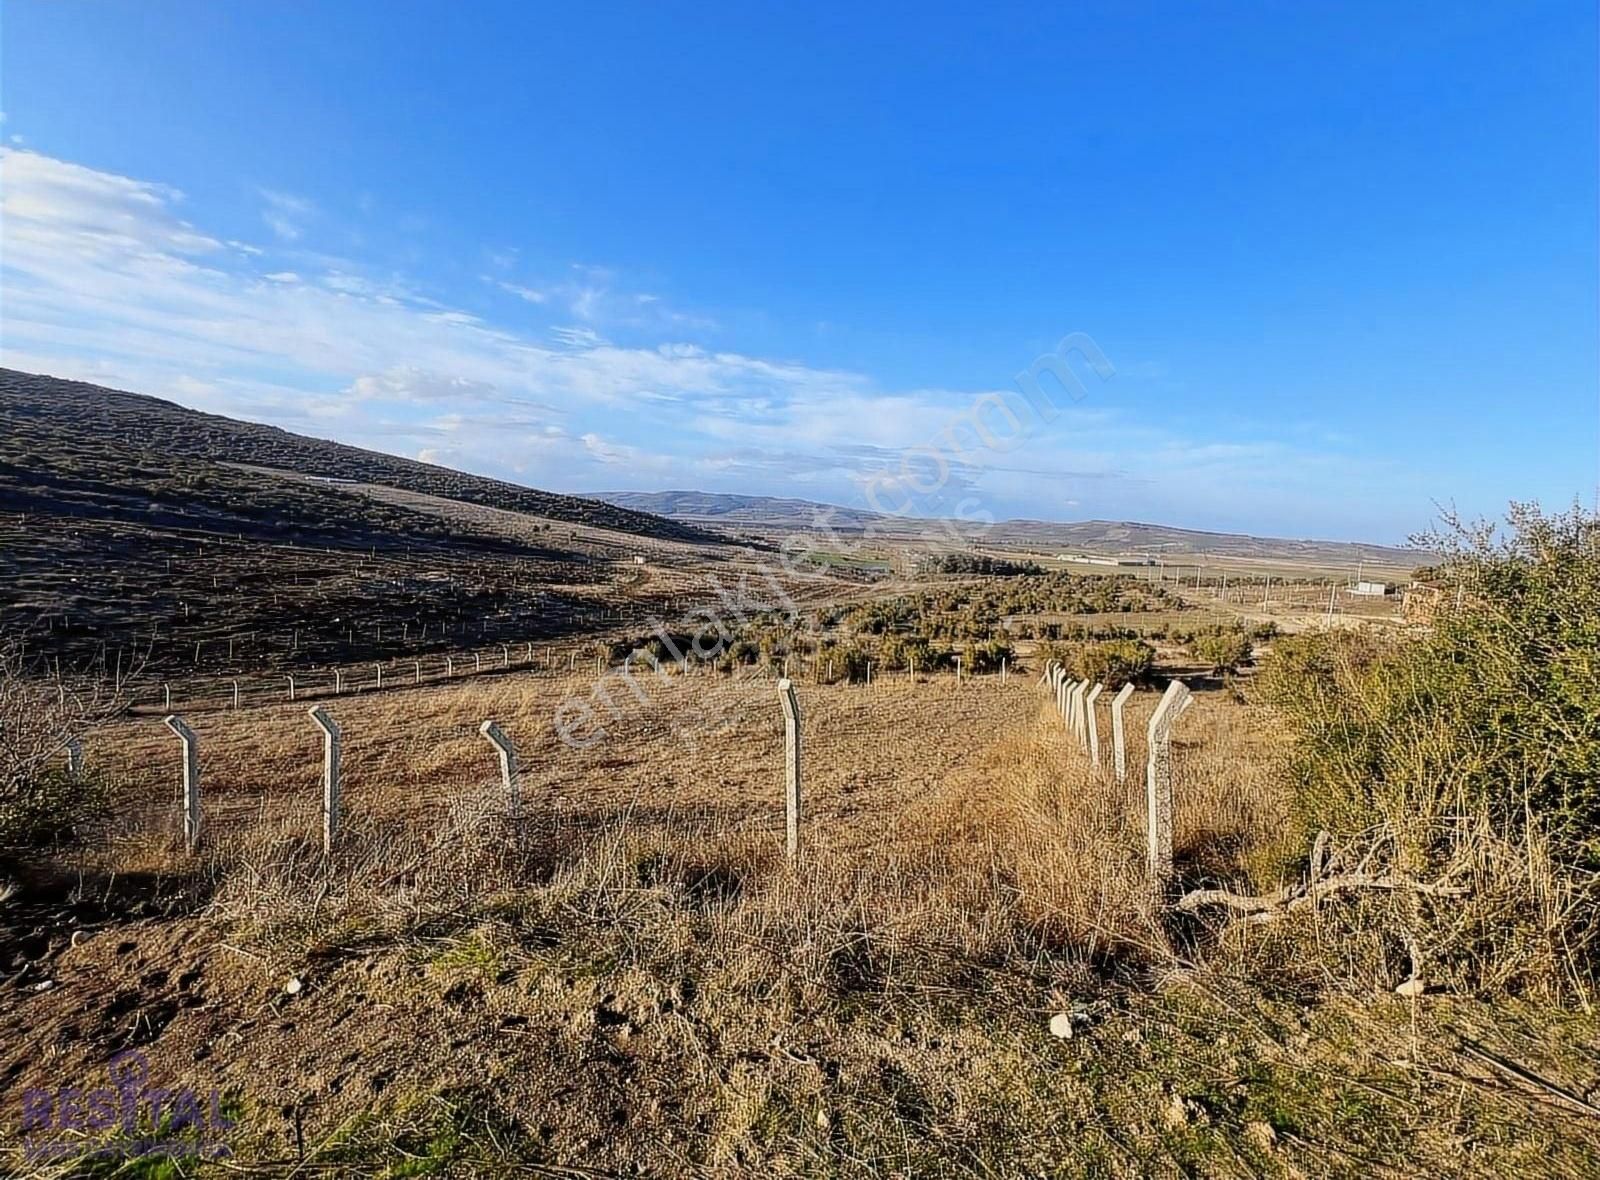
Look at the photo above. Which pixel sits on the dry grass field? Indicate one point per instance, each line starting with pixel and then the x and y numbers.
pixel 1375 955
pixel 635 980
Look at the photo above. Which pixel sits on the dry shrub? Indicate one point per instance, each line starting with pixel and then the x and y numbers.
pixel 40 716
pixel 1467 754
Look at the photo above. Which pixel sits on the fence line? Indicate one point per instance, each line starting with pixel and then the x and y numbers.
pixel 1075 702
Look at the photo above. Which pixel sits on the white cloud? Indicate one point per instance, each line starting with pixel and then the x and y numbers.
pixel 285 213
pixel 526 294
pixel 592 295
pixel 107 280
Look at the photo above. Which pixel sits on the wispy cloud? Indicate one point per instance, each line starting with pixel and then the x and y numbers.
pixel 285 213
pixel 107 278
pixel 522 292
pixel 597 296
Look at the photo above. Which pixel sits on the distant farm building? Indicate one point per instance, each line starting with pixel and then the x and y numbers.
pixel 1096 559
pixel 1371 589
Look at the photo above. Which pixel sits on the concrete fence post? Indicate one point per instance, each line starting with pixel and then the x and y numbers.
pixel 1093 723
pixel 416 671
pixel 791 765
pixel 530 654
pixel 190 799
pixel 477 662
pixel 1080 718
pixel 330 774
pixel 338 681
pixel 166 696
pixel 449 666
pixel 1002 669
pixel 505 655
pixel 1158 780
pixel 291 688
pixel 379 668
pixel 958 669
pixel 235 696
pixel 1119 750
pixel 508 766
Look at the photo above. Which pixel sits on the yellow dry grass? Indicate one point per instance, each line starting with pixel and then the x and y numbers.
pixel 637 980
pixel 966 813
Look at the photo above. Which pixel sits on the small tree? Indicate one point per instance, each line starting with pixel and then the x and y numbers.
pixel 1222 649
pixel 1114 662
pixel 987 656
pixel 40 717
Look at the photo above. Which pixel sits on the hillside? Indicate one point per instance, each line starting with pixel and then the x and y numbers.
pixel 43 414
pixel 134 531
pixel 1103 536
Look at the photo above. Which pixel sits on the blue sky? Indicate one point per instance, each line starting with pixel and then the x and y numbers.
pixel 1342 258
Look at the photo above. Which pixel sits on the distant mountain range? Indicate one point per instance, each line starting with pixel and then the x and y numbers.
pixel 738 511
pixel 73 449
pixel 775 514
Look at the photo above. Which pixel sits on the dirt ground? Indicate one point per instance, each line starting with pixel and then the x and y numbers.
pixel 637 983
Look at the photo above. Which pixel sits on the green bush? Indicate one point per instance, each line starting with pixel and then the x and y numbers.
pixel 1494 710
pixel 1113 663
pixel 900 652
pixel 1222 649
pixel 979 658
pixel 40 803
pixel 50 806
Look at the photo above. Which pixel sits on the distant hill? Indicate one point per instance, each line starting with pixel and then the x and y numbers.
pixel 53 416
pixel 1097 536
pixel 134 529
pixel 735 510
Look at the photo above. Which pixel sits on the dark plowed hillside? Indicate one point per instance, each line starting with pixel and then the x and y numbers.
pixel 129 535
pixel 52 413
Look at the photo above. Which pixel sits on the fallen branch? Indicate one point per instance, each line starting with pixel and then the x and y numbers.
pixel 1267 907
